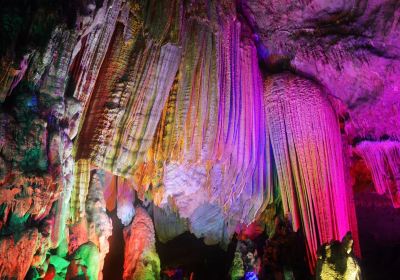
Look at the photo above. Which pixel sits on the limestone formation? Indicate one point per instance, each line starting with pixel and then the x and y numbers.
pixel 141 260
pixel 336 261
pixel 204 116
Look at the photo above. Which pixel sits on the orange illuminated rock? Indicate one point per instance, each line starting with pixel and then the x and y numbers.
pixel 140 259
pixel 16 255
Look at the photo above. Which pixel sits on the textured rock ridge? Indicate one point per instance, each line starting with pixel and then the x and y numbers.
pixel 350 47
pixel 307 150
pixel 17 255
pixel 141 260
pixel 188 108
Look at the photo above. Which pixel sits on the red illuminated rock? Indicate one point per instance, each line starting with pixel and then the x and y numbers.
pixel 17 254
pixel 140 259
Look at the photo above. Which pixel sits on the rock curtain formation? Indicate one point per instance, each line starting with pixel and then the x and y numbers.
pixel 307 151
pixel 209 114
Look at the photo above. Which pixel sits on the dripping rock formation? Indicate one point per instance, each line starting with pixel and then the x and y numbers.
pixel 263 134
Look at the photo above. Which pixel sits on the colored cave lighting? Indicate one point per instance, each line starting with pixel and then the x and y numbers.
pixel 198 139
pixel 383 159
pixel 218 141
pixel 250 276
pixel 307 151
pixel 247 131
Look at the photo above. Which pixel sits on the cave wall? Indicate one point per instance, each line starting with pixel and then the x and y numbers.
pixel 211 110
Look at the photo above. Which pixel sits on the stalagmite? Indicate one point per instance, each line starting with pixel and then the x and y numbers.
pixel 336 261
pixel 99 224
pixel 141 260
pixel 307 152
pixel 84 262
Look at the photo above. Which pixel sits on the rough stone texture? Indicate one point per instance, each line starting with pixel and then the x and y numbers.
pixel 90 50
pixel 282 252
pixel 28 196
pixel 350 47
pixel 99 224
pixel 84 262
pixel 336 261
pixel 38 121
pixel 168 96
pixel 141 260
pixel 17 255
pixel 168 224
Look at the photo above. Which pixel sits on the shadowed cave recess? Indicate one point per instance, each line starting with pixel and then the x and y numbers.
pixel 199 139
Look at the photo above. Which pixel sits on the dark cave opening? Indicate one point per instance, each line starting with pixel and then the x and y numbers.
pixel 114 260
pixel 379 228
pixel 187 256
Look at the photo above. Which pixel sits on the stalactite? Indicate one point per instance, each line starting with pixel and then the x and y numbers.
pixel 127 102
pixel 383 159
pixel 96 127
pixel 80 189
pixel 306 144
pixel 110 191
pixel 168 224
pixel 92 49
pixel 162 101
pixel 207 222
pixel 148 94
pixel 211 138
pixel 125 201
pixel 212 120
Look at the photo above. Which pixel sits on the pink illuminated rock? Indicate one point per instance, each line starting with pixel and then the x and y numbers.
pixel 78 235
pixel 163 101
pixel 350 47
pixel 307 150
pixel 110 191
pixel 383 160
